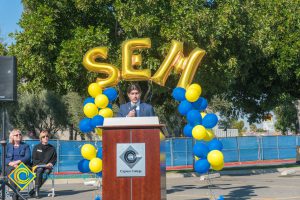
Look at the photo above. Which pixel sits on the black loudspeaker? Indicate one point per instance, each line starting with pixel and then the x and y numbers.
pixel 8 78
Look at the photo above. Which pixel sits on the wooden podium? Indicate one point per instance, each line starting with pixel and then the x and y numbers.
pixel 133 161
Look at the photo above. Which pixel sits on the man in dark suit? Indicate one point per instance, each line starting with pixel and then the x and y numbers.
pixel 135 108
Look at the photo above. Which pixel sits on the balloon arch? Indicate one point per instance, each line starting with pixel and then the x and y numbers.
pixel 207 149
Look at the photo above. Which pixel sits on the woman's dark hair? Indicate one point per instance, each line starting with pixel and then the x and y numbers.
pixel 134 86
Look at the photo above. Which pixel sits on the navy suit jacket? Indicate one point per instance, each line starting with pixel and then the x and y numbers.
pixel 146 110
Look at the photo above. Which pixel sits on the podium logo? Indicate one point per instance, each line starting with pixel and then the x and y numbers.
pixel 130 157
pixel 21 176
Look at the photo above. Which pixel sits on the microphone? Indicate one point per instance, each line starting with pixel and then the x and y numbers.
pixel 133 108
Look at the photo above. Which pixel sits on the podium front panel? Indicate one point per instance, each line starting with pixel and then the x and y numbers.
pixel 146 187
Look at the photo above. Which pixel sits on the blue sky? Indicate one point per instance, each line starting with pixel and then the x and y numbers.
pixel 10 13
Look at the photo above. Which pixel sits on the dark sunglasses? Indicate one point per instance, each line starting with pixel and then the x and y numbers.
pixel 45 136
pixel 18 135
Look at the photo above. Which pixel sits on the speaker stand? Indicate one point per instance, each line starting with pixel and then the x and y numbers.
pixel 3 179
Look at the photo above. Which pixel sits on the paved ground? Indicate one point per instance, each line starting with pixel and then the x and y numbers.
pixel 234 186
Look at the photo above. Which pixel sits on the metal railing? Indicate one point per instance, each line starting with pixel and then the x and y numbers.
pixel 179 151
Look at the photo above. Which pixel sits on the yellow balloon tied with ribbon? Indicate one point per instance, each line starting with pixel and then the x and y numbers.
pixel 215 157
pixel 88 151
pixel 101 101
pixel 90 110
pixel 95 165
pixel 218 167
pixel 106 112
pixel 94 89
pixel 199 132
pixel 192 94
pixel 209 135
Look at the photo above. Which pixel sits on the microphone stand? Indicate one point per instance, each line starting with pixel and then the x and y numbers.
pixel 3 179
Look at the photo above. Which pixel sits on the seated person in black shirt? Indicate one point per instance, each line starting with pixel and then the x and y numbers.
pixel 43 159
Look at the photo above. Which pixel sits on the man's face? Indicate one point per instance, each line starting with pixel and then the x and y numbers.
pixel 134 96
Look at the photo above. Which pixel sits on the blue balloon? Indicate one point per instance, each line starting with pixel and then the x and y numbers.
pixel 89 100
pixel 99 174
pixel 200 104
pixel 187 130
pixel 184 107
pixel 99 153
pixel 98 197
pixel 111 93
pixel 85 126
pixel 210 120
pixel 179 94
pixel 194 117
pixel 200 150
pixel 109 106
pixel 215 144
pixel 220 197
pixel 97 121
pixel 202 166
pixel 83 166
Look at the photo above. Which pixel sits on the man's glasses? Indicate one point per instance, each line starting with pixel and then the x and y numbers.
pixel 45 136
pixel 18 135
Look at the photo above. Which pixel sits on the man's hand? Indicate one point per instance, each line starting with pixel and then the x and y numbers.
pixel 131 113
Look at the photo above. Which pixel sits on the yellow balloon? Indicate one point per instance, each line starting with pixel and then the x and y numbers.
pixel 101 101
pixel 192 94
pixel 196 158
pixel 162 136
pixel 90 63
pixel 95 165
pixel 129 60
pixel 209 135
pixel 94 89
pixel 106 112
pixel 196 86
pixel 90 110
pixel 203 114
pixel 215 157
pixel 98 131
pixel 88 151
pixel 218 167
pixel 199 132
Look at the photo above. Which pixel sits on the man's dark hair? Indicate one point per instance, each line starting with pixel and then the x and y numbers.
pixel 134 86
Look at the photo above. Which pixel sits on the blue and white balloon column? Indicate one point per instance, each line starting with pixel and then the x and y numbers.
pixel 208 149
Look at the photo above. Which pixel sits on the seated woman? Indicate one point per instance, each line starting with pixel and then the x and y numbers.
pixel 43 158
pixel 17 152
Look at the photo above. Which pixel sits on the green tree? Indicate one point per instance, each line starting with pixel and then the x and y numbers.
pixel 73 102
pixel 35 112
pixel 252 46
pixel 286 115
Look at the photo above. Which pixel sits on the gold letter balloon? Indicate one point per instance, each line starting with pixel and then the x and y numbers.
pixel 186 66
pixel 129 60
pixel 90 63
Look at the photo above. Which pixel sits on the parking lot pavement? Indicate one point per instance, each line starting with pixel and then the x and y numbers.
pixel 266 186
pixel 269 186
